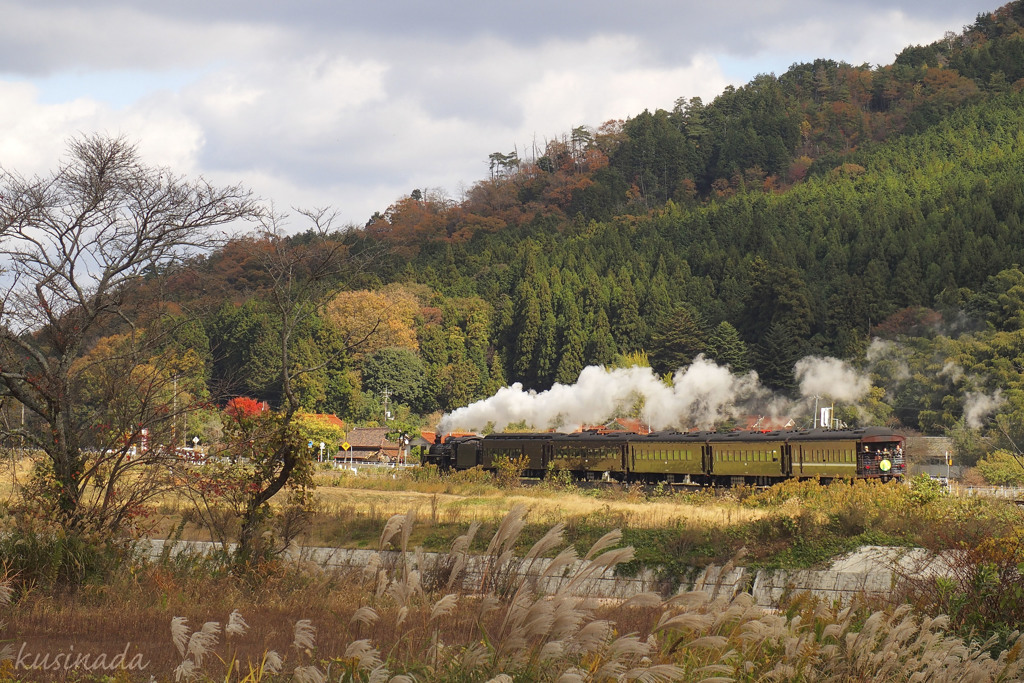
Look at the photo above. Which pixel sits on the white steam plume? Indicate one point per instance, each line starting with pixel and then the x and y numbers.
pixel 978 406
pixel 954 372
pixel 699 396
pixel 831 377
pixel 889 359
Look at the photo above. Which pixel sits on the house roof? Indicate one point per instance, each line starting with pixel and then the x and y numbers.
pixel 764 423
pixel 431 437
pixel 620 424
pixel 370 437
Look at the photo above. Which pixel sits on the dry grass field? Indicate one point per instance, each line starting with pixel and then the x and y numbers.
pixel 207 619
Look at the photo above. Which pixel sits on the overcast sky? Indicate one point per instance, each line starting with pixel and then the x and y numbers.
pixel 315 103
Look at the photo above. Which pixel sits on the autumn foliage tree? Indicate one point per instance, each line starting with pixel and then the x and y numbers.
pixel 366 321
pixel 302 273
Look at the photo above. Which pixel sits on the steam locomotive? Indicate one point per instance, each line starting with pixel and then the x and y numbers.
pixel 718 458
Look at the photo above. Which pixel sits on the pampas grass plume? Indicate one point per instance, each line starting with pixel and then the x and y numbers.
pixel 305 635
pixel 236 625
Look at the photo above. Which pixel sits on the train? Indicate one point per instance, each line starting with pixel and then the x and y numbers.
pixel 759 458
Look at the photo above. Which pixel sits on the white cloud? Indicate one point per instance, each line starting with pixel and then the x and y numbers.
pixel 355 104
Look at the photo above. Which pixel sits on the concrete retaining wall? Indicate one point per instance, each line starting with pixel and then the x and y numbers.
pixel 869 571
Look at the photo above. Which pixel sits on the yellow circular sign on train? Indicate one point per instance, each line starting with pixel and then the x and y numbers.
pixel 885 465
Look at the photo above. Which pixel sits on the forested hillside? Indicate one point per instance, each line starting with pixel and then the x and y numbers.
pixel 868 213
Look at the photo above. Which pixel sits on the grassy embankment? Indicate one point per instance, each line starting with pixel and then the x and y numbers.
pixel 413 621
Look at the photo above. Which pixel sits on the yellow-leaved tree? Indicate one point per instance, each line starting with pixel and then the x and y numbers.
pixel 370 320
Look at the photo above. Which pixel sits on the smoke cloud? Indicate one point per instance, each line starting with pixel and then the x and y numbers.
pixel 978 406
pixel 954 372
pixel 698 396
pixel 831 377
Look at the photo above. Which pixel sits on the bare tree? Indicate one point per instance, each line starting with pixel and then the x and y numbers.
pixel 262 453
pixel 302 273
pixel 74 244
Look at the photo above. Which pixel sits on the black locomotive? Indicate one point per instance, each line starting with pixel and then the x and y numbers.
pixel 759 458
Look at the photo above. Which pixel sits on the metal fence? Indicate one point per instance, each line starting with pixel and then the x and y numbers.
pixel 1007 492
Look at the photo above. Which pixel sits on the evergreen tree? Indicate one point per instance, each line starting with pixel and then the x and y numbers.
pixel 726 348
pixel 777 354
pixel 626 325
pixel 547 352
pixel 678 338
pixel 571 353
pixel 527 332
pixel 601 347
pixel 776 294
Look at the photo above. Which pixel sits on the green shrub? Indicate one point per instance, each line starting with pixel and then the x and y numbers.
pixel 1002 468
pixel 509 469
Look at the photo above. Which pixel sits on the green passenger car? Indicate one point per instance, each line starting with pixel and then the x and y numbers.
pixel 592 453
pixel 653 456
pixel 825 459
pixel 736 455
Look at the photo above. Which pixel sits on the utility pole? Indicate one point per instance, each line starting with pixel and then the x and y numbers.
pixel 387 396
